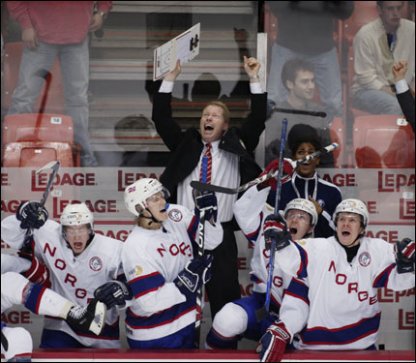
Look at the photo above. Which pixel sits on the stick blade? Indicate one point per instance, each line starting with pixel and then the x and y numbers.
pixel 203 187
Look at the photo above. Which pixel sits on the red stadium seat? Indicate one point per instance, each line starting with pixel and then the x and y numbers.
pixel 364 12
pixel 34 139
pixel 37 154
pixel 383 141
pixel 52 92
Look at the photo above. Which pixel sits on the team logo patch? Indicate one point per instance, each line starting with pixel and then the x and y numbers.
pixel 95 263
pixel 321 203
pixel 364 259
pixel 138 270
pixel 175 215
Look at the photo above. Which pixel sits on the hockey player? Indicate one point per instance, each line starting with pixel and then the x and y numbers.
pixel 78 260
pixel 161 270
pixel 333 305
pixel 16 342
pixel 238 319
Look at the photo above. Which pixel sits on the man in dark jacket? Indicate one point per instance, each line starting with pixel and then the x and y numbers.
pixel 229 151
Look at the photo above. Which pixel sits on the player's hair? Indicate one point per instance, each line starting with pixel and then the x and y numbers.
pixel 292 67
pixel 223 106
pixel 301 133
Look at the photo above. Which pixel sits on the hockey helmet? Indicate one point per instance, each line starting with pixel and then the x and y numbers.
pixel 305 205
pixel 137 193
pixel 76 215
pixel 352 206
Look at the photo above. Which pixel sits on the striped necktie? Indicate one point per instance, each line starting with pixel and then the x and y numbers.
pixel 206 165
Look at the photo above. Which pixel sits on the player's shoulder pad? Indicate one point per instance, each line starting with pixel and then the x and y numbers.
pixel 109 241
pixel 315 243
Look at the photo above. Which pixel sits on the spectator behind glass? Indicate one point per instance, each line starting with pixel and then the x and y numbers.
pixel 377 46
pixel 305 30
pixel 404 95
pixel 298 78
pixel 51 30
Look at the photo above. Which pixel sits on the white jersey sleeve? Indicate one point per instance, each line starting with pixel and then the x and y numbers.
pixel 386 274
pixel 11 233
pixel 12 263
pixel 248 211
pixel 294 309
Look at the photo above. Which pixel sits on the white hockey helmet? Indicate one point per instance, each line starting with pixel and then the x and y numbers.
pixel 305 205
pixel 76 215
pixel 137 193
pixel 352 206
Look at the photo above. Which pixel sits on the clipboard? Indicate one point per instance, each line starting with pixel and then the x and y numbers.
pixel 184 47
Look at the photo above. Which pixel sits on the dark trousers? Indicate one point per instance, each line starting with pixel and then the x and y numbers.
pixel 224 286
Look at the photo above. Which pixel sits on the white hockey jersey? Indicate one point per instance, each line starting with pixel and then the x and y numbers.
pixel 152 259
pixel 250 211
pixel 334 303
pixel 74 277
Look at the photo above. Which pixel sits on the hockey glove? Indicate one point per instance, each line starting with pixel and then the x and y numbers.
pixel 37 273
pixel 31 215
pixel 195 273
pixel 90 318
pixel 207 202
pixel 273 343
pixel 274 228
pixel 27 250
pixel 405 255
pixel 113 293
pixel 271 169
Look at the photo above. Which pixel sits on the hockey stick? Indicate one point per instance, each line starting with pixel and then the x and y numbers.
pixel 200 241
pixel 271 174
pixel 276 210
pixel 324 150
pixel 4 342
pixel 54 166
pixel 199 294
pixel 299 112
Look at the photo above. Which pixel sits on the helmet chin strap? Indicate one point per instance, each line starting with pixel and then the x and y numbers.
pixel 152 222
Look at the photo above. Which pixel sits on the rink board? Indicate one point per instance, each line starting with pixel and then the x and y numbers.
pixel 389 194
pixel 110 355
